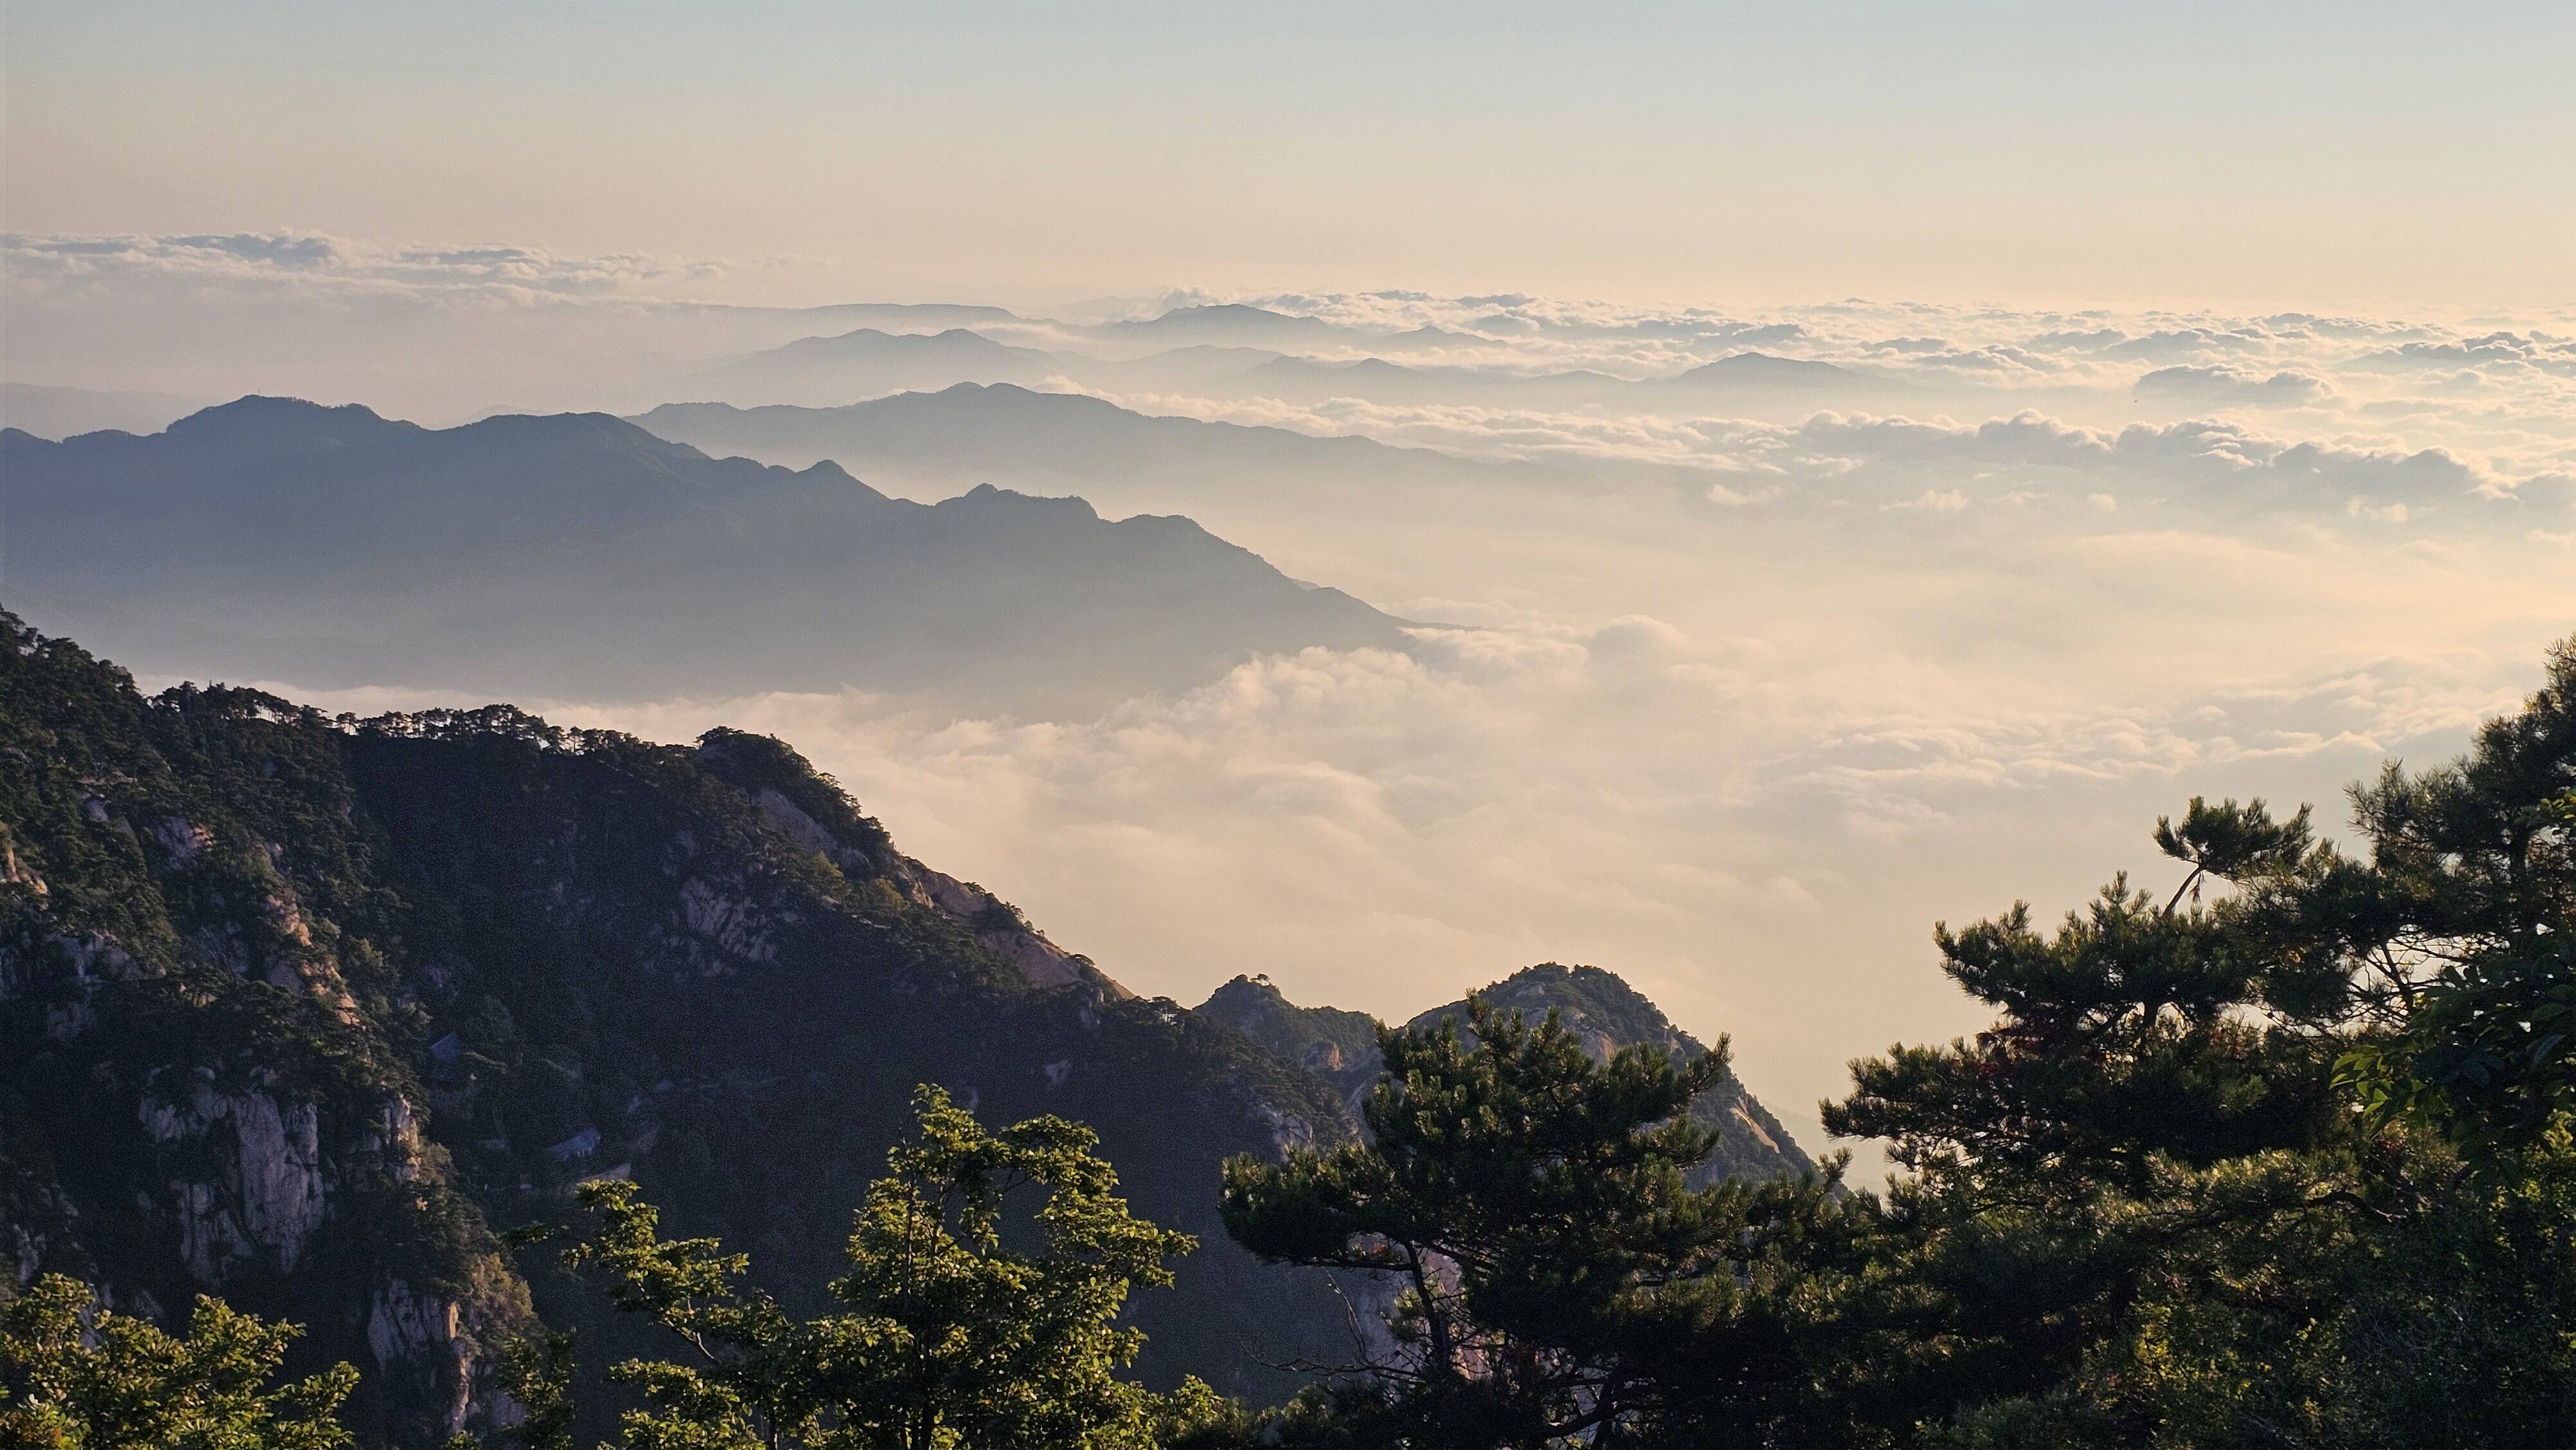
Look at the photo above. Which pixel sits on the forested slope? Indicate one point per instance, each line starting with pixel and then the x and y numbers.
pixel 298 1009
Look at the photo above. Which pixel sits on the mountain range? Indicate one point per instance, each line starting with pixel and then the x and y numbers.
pixel 303 1009
pixel 972 432
pixel 1228 357
pixel 579 555
pixel 1230 324
pixel 50 412
pixel 866 363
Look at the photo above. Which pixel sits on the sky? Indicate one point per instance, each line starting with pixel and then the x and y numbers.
pixel 2232 448
pixel 2269 154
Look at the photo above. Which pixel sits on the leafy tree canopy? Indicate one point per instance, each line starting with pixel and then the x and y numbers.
pixel 1554 1279
pixel 79 1377
pixel 949 1334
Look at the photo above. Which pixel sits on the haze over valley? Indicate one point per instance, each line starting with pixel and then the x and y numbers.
pixel 1730 669
pixel 1395 727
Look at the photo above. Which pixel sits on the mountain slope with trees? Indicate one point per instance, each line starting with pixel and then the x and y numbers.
pixel 297 1009
pixel 1599 1012
pixel 294 1009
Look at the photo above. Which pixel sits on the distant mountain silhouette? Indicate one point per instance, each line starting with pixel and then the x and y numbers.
pixel 1762 370
pixel 1203 369
pixel 1072 440
pixel 1757 383
pixel 1435 338
pixel 867 363
pixel 1229 324
pixel 1236 351
pixel 579 555
pixel 50 412
pixel 1750 384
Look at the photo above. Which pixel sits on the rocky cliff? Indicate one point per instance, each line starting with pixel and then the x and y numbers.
pixel 295 1008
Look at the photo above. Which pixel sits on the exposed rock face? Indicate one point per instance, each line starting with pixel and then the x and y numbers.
pixel 1000 929
pixel 790 820
pixel 407 1330
pixel 268 1190
pixel 182 838
pixel 401 1324
pixel 191 1098
pixel 731 924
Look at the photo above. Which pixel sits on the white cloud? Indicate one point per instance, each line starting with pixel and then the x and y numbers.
pixel 1746 704
pixel 316 262
pixel 1948 502
pixel 2223 387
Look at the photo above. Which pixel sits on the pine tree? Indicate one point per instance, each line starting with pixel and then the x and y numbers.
pixel 1555 1281
pixel 947 1334
pixel 2284 1158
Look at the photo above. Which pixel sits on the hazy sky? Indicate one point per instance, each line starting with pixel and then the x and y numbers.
pixel 2286 154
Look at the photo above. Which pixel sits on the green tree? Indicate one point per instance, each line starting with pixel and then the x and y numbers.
pixel 2466 919
pixel 78 1377
pixel 1555 1282
pixel 2281 1160
pixel 948 1335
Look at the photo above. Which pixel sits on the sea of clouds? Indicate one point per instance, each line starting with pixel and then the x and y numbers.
pixel 1735 703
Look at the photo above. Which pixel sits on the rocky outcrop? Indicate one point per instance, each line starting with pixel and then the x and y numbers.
pixel 410 1331
pixel 734 926
pixel 1337 1046
pixel 999 928
pixel 790 820
pixel 266 1192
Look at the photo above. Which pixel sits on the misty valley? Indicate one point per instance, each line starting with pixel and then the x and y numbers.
pixel 1400 727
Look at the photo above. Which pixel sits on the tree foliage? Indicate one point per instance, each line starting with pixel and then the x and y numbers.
pixel 1554 1280
pixel 2278 1156
pixel 80 1377
pixel 948 1333
pixel 2469 921
pixel 2281 1160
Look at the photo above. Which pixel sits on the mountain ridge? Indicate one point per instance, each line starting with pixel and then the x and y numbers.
pixel 1601 1009
pixel 298 1008
pixel 866 362
pixel 522 554
pixel 976 430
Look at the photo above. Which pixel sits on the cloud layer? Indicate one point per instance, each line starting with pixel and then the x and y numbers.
pixel 1739 691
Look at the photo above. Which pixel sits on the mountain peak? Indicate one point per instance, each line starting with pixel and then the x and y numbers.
pixel 1763 369
pixel 580 552
pixel 1336 1045
pixel 1603 1012
pixel 1226 319
pixel 260 420
pixel 985 496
